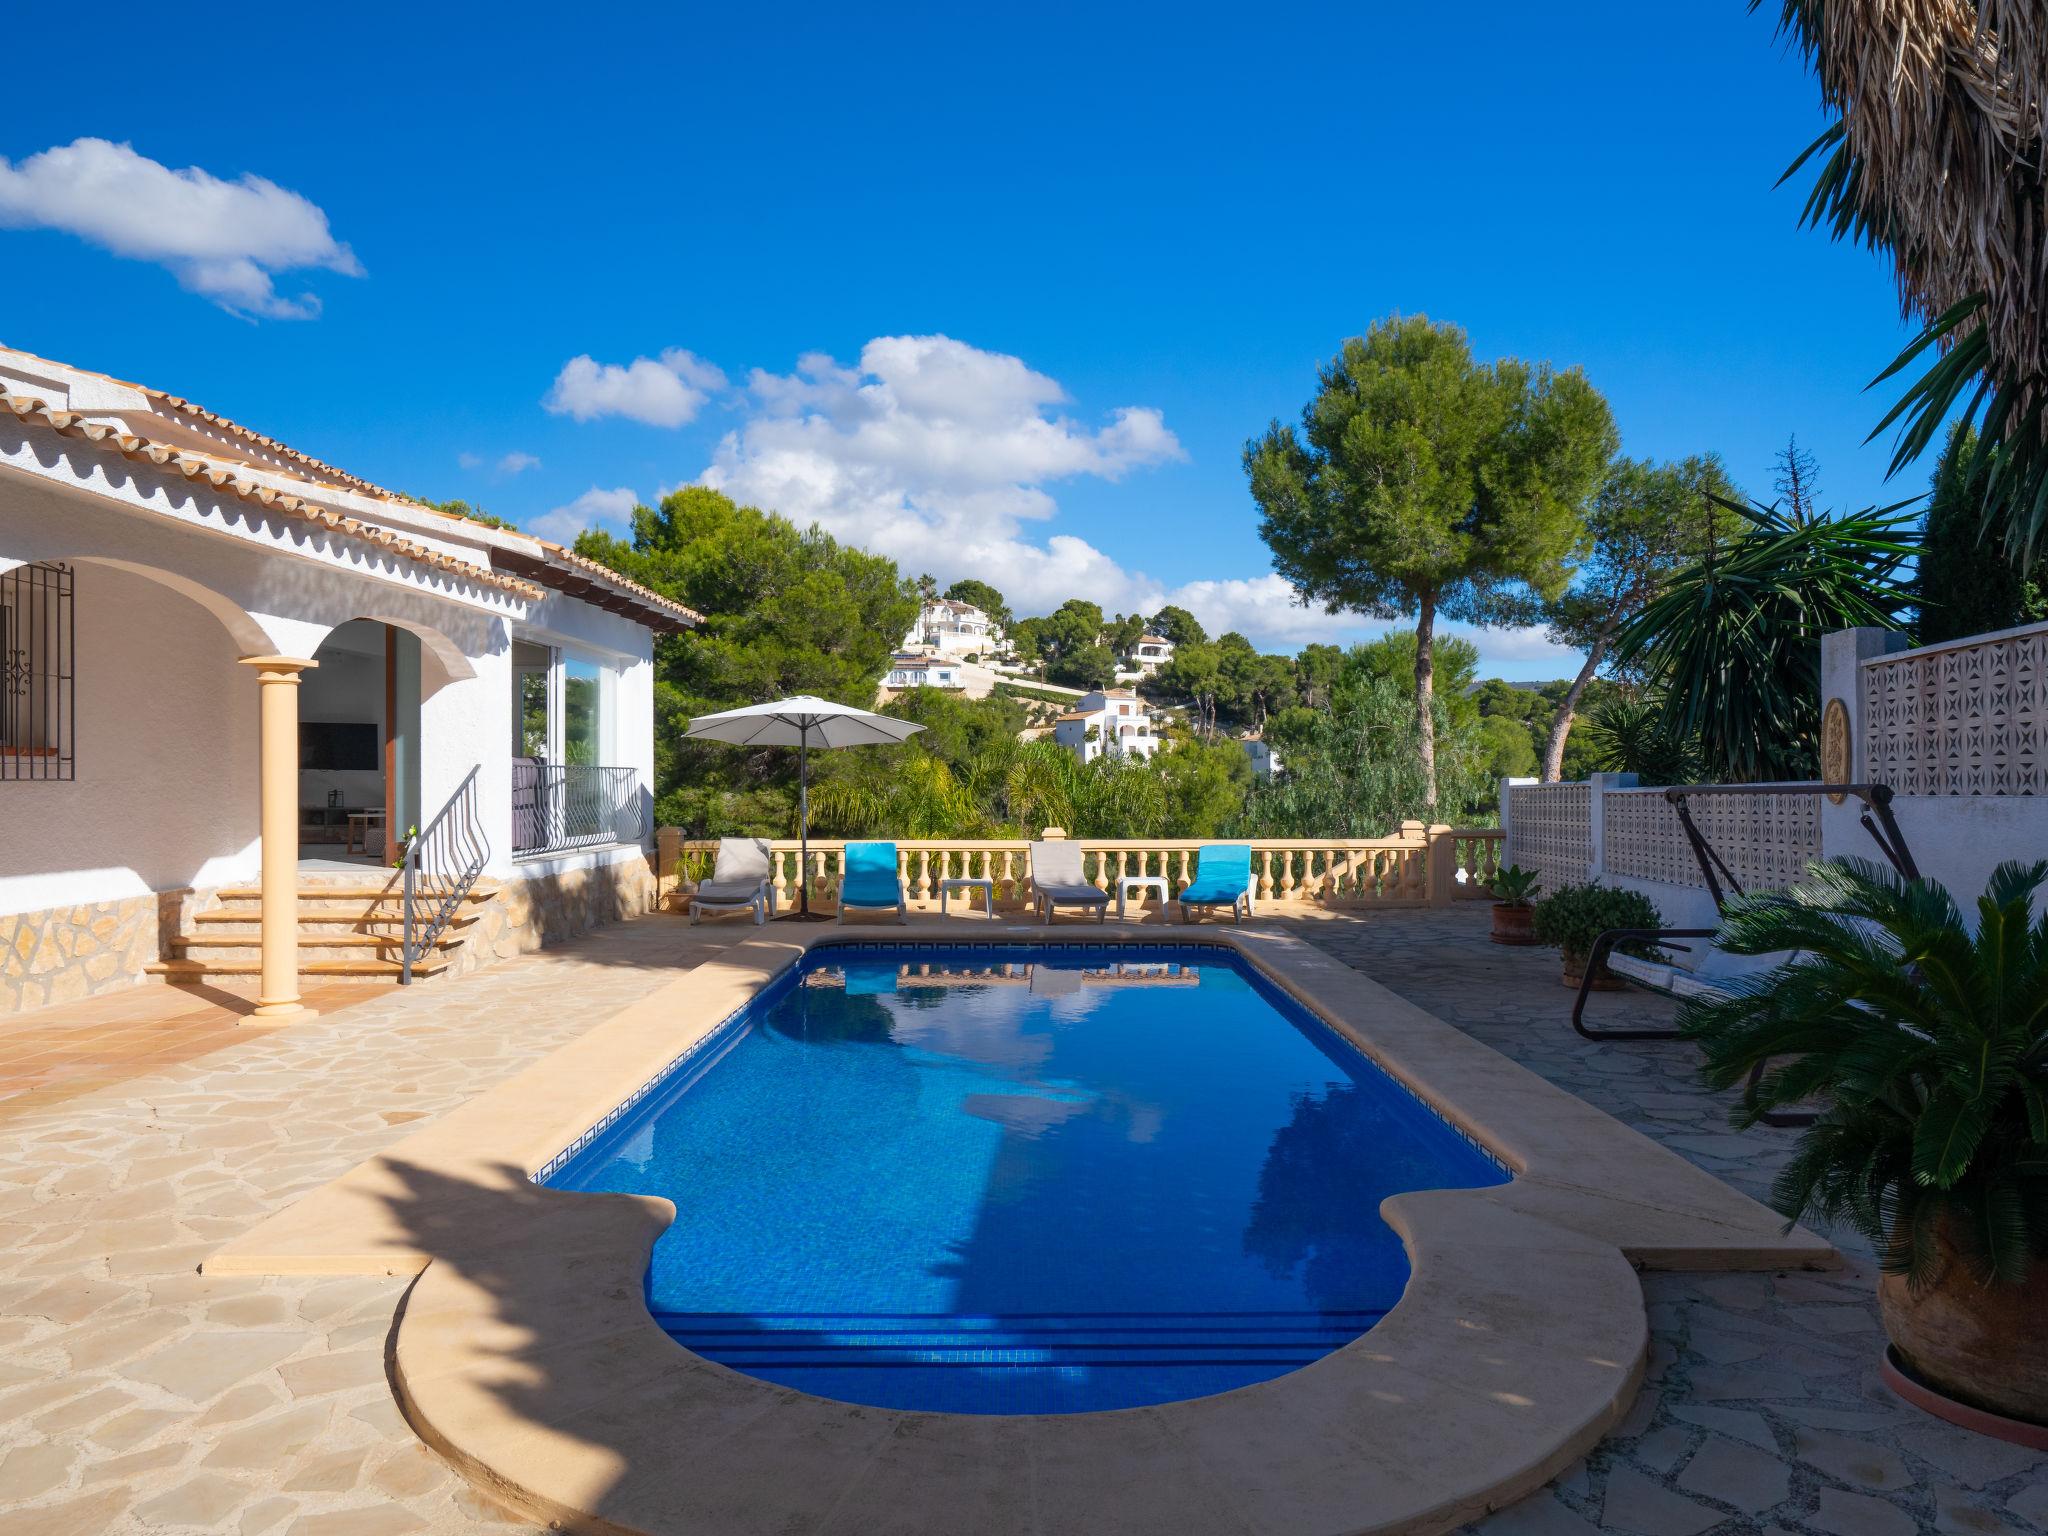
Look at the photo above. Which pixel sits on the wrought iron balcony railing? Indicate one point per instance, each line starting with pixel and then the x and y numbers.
pixel 559 807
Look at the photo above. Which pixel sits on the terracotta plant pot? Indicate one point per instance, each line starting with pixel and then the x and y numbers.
pixel 1983 1346
pixel 1511 923
pixel 1575 973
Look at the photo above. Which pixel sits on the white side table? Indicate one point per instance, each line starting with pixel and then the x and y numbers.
pixel 967 883
pixel 1141 883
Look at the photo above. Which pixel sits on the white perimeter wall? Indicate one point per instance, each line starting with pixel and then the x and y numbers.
pixel 166 794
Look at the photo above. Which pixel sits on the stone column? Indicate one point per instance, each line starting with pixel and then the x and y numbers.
pixel 277 679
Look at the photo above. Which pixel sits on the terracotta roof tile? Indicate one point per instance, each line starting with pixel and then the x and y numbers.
pixel 556 552
pixel 222 477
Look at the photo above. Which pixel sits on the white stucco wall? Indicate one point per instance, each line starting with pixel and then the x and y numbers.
pixel 165 794
pixel 264 585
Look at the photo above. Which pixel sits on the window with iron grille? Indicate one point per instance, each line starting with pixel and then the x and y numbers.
pixel 37 721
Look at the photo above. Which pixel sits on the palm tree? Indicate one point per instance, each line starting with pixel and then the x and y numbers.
pixel 1733 644
pixel 1937 158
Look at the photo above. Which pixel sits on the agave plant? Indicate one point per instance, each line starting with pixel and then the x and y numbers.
pixel 1734 642
pixel 1930 1044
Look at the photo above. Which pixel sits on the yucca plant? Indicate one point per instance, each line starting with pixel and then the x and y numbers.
pixel 1929 1043
pixel 1733 644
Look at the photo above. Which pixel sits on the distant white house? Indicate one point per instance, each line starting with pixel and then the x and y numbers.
pixel 949 627
pixel 1151 653
pixel 1265 761
pixel 912 671
pixel 1107 720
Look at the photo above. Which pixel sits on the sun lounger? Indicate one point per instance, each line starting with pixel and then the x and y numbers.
pixel 740 880
pixel 1057 880
pixel 868 878
pixel 1223 878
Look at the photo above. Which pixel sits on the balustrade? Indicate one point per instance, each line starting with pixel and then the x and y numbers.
pixel 1418 866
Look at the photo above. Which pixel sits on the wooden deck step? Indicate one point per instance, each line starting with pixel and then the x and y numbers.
pixel 216 918
pixel 480 892
pixel 307 941
pixel 195 970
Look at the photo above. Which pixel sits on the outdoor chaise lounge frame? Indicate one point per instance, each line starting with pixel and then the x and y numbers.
pixel 1223 878
pixel 1877 820
pixel 868 878
pixel 1058 880
pixel 740 880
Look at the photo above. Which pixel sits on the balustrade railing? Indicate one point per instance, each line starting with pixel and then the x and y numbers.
pixel 1419 866
pixel 558 807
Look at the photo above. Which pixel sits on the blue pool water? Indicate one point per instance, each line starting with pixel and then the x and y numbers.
pixel 1021 1179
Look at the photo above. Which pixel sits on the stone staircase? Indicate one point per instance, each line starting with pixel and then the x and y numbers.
pixel 346 928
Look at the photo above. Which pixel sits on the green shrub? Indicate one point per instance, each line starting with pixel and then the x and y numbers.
pixel 1573 916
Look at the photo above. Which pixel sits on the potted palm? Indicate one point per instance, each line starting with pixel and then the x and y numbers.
pixel 1572 917
pixel 1514 892
pixel 1930 1044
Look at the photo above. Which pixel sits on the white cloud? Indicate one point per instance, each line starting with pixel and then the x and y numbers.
pixel 507 465
pixel 661 392
pixel 937 454
pixel 595 508
pixel 221 239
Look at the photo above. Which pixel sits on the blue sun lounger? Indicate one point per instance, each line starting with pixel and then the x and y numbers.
pixel 867 878
pixel 1223 878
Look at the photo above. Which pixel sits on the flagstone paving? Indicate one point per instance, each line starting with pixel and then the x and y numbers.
pixel 1765 1416
pixel 137 1395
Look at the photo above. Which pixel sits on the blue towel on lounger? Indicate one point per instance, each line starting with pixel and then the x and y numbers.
pixel 868 876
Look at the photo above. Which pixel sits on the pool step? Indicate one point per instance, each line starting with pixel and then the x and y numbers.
pixel 1021 1341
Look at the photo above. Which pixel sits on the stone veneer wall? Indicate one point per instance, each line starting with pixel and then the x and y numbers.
pixel 527 914
pixel 68 953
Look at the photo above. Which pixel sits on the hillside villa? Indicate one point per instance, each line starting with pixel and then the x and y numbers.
pixel 234 671
pixel 1106 720
pixel 1149 654
pixel 948 627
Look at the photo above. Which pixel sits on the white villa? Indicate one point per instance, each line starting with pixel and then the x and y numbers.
pixel 235 675
pixel 910 671
pixel 1265 761
pixel 1150 654
pixel 1107 720
pixel 945 626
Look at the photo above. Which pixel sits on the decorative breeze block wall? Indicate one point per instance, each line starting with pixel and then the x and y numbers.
pixel 1767 840
pixel 1961 719
pixel 1550 830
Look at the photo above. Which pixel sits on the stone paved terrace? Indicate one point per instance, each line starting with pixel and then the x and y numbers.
pixel 139 1396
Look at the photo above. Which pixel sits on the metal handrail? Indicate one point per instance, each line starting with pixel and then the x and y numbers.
pixel 442 862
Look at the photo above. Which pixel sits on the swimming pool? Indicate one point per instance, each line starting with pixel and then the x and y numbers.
pixel 1023 1179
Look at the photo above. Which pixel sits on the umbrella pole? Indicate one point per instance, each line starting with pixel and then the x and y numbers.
pixel 803 801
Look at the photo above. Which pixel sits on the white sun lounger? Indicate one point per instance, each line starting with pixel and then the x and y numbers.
pixel 1057 880
pixel 739 880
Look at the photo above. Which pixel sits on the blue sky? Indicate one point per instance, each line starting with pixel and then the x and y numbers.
pixel 1050 267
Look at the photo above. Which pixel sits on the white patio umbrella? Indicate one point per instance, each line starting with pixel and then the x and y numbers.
pixel 801 722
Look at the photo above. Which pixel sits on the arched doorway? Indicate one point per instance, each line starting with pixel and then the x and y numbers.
pixel 360 729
